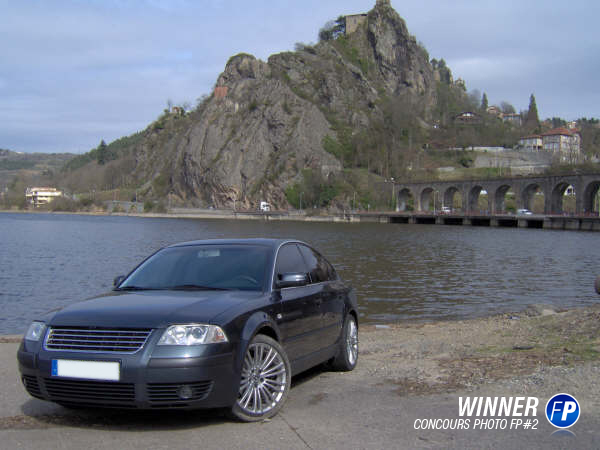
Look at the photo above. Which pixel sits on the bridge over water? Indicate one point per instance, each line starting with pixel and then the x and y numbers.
pixel 432 195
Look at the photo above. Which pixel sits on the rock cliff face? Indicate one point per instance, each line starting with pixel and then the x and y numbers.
pixel 267 121
pixel 245 143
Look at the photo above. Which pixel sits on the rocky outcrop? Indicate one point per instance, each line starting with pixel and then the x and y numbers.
pixel 267 121
pixel 402 63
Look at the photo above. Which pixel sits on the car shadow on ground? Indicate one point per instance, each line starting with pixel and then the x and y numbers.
pixel 114 419
pixel 310 374
pixel 127 420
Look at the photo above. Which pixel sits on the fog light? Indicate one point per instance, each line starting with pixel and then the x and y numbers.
pixel 185 392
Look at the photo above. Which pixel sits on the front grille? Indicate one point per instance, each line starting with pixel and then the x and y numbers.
pixel 32 386
pixel 167 394
pixel 104 340
pixel 99 393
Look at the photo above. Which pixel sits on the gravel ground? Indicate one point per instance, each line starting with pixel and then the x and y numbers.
pixel 405 372
pixel 447 356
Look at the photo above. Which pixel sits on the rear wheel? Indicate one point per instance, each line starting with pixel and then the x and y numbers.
pixel 347 356
pixel 265 381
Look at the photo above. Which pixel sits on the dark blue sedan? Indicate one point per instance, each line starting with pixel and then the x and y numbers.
pixel 204 324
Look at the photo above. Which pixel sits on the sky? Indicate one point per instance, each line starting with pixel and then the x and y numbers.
pixel 75 72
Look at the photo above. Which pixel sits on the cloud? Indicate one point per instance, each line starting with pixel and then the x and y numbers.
pixel 101 69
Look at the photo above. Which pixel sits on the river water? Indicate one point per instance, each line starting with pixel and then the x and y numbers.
pixel 400 272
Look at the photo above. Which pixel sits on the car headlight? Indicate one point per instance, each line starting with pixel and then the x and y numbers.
pixel 193 334
pixel 35 331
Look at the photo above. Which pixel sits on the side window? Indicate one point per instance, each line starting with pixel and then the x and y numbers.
pixel 320 270
pixel 289 260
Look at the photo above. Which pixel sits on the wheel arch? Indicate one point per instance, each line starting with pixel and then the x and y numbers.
pixel 258 323
pixel 353 313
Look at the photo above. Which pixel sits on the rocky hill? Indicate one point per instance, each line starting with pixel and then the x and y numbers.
pixel 350 101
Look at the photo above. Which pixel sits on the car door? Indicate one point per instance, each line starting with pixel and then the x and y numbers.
pixel 330 291
pixel 300 307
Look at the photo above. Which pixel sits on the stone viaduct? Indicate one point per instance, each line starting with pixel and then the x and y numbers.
pixel 434 194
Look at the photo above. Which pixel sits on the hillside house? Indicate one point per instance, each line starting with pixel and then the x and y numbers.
pixel 220 92
pixel 38 196
pixel 494 111
pixel 531 143
pixel 467 117
pixel 564 143
pixel 513 118
pixel 354 21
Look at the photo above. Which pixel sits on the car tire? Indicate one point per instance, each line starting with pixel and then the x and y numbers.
pixel 347 355
pixel 265 381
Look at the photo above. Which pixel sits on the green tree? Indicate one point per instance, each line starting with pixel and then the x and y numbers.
pixel 102 153
pixel 558 122
pixel 484 102
pixel 507 108
pixel 445 72
pixel 333 29
pixel 313 191
pixel 532 121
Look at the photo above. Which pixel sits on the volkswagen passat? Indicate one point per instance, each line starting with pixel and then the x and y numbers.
pixel 204 324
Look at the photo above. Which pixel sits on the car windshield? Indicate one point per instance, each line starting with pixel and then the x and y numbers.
pixel 202 267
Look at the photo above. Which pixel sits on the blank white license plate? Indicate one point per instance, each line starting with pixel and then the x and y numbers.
pixel 89 370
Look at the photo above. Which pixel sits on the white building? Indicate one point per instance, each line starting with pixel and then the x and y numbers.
pixel 563 142
pixel 531 143
pixel 38 196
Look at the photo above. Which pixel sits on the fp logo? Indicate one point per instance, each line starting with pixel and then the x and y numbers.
pixel 562 410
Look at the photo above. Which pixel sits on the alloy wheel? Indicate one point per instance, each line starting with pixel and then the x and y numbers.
pixel 352 342
pixel 264 379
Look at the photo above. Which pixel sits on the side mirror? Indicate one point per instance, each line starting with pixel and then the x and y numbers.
pixel 117 281
pixel 286 280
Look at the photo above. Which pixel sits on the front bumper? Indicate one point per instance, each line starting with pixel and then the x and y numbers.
pixel 153 378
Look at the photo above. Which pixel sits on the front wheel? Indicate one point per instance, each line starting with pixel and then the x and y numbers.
pixel 347 356
pixel 265 382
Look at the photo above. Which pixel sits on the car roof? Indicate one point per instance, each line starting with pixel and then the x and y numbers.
pixel 274 244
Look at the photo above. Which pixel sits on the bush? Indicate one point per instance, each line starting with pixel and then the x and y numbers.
pixel 62 204
pixel 148 206
pixel 466 161
pixel 157 207
pixel 160 207
pixel 312 191
pixel 86 202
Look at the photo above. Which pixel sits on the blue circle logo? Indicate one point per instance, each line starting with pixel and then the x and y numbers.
pixel 562 410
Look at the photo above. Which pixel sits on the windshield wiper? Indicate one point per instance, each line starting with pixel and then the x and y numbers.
pixel 196 287
pixel 136 288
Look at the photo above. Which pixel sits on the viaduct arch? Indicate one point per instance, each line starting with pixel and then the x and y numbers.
pixel 426 195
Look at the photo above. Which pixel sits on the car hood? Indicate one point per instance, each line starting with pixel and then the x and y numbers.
pixel 150 309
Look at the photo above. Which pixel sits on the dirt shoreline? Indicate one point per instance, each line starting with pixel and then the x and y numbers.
pixel 446 356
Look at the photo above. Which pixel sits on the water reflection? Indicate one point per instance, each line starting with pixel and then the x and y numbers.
pixel 401 272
